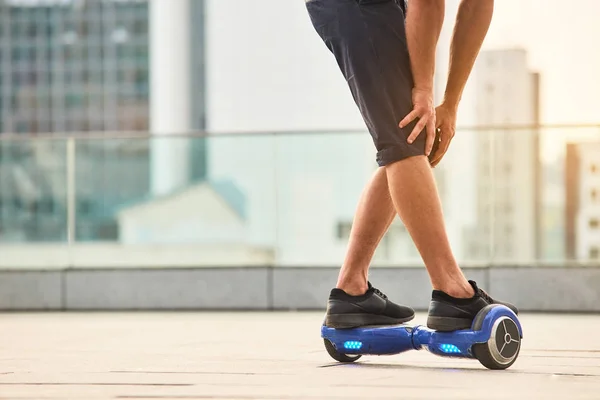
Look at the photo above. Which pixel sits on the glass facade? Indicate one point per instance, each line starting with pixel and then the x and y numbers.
pixel 77 66
pixel 74 66
pixel 285 193
pixel 70 66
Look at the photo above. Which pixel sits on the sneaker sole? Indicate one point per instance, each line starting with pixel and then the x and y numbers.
pixel 348 321
pixel 448 324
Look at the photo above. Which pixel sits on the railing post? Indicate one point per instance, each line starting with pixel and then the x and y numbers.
pixel 492 196
pixel 71 197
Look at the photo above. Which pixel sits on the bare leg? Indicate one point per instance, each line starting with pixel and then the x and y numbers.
pixel 416 201
pixel 414 194
pixel 374 214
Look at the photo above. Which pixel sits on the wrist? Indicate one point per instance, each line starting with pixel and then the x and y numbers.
pixel 424 93
pixel 451 102
pixel 423 88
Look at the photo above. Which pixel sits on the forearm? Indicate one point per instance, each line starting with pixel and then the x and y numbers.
pixel 423 26
pixel 472 24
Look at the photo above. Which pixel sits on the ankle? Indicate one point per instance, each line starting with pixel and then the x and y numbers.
pixel 355 287
pixel 460 289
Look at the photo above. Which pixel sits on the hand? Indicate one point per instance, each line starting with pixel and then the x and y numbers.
pixel 446 127
pixel 423 110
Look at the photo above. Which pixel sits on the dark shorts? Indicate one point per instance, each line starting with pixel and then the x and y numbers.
pixel 368 40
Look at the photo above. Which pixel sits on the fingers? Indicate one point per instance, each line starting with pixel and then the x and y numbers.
pixel 435 156
pixel 439 154
pixel 426 118
pixel 419 127
pixel 409 118
pixel 442 152
pixel 446 135
pixel 430 137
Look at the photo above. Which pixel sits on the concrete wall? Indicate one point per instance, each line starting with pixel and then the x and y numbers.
pixel 572 289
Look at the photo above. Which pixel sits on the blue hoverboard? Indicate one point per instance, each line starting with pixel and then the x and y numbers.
pixel 494 340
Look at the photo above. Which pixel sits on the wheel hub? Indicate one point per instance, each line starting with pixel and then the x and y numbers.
pixel 504 341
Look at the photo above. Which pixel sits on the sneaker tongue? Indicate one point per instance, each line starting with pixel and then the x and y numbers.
pixel 372 289
pixel 481 293
pixel 474 284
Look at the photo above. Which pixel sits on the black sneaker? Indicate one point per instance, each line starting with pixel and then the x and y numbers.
pixel 447 313
pixel 370 309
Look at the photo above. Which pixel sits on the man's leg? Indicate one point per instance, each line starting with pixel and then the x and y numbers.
pixel 374 214
pixel 414 193
pixel 405 188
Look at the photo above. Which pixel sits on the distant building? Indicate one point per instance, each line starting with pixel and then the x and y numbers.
pixel 508 166
pixel 73 66
pixel 582 180
pixel 553 223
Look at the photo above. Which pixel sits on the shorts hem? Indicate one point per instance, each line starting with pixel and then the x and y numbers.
pixel 397 153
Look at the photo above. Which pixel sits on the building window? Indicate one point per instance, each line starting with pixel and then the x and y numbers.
pixel 594 223
pixel 593 168
pixel 594 253
pixel 66 75
pixel 594 195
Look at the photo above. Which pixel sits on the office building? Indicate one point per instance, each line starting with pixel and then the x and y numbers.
pixel 77 66
pixel 73 66
pixel 582 202
pixel 507 161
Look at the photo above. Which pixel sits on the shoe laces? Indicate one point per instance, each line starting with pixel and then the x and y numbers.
pixel 485 296
pixel 380 293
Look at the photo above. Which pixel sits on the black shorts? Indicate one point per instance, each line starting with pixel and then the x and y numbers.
pixel 368 40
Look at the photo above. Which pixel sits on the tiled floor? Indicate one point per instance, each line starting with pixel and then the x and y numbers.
pixel 271 356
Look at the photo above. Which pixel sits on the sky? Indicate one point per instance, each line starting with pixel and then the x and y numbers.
pixel 560 37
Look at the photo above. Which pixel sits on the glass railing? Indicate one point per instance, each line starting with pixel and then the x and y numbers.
pixel 511 196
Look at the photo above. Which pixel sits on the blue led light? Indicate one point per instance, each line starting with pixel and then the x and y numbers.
pixel 352 345
pixel 449 348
